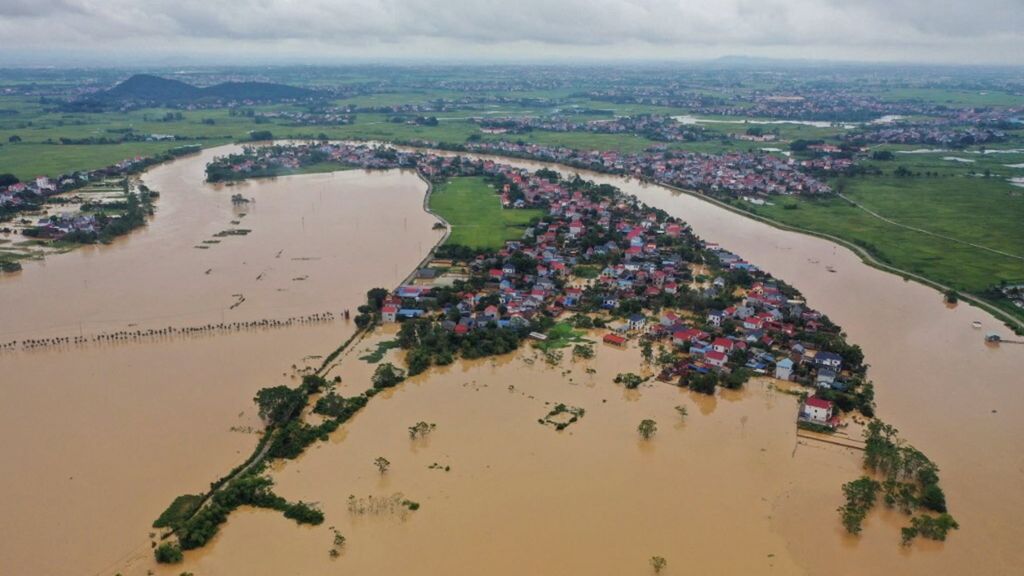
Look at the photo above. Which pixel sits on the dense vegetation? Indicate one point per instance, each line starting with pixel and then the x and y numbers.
pixel 907 481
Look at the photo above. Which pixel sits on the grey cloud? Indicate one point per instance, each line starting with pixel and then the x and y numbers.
pixel 847 28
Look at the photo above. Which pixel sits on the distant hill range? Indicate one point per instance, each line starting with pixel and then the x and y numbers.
pixel 145 88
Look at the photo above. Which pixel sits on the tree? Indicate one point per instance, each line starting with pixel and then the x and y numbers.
pixel 418 360
pixel 860 498
pixel 629 380
pixel 382 464
pixel 277 403
pixel 933 498
pixel 703 383
pixel 683 413
pixel 386 376
pixel 647 351
pixel 658 563
pixel 647 428
pixel 168 553
pixel 375 297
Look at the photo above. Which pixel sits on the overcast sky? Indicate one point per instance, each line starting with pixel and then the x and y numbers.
pixel 114 32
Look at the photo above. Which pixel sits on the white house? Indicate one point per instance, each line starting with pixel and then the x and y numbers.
pixel 637 322
pixel 817 410
pixel 784 369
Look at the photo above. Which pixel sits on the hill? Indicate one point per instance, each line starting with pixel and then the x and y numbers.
pixel 146 88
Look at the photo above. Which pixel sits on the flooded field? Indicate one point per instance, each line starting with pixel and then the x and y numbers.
pixel 100 437
pixel 729 489
pixel 522 498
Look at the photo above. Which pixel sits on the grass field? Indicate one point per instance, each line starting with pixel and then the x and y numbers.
pixel 987 212
pixel 473 209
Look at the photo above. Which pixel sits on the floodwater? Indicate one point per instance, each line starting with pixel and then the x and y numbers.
pixel 951 395
pixel 523 498
pixel 99 438
pixel 687 119
pixel 728 490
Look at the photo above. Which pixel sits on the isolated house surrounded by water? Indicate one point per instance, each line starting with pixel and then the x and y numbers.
pixel 817 410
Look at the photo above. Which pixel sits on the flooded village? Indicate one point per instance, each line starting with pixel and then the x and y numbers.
pixel 620 308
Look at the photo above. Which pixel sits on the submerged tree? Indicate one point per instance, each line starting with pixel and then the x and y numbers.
pixel 382 464
pixel 420 429
pixel 683 413
pixel 658 563
pixel 647 428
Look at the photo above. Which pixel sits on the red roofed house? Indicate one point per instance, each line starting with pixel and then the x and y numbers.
pixel 614 339
pixel 716 359
pixel 686 336
pixel 389 313
pixel 818 411
pixel 723 345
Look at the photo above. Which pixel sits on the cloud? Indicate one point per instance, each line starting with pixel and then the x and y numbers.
pixel 953 30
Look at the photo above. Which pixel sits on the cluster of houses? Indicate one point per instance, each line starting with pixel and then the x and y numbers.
pixel 808 105
pixel 61 225
pixel 934 135
pixel 733 174
pixel 326 117
pixel 653 127
pixel 31 193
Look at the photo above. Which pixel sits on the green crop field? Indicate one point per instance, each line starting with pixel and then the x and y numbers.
pixel 987 212
pixel 473 209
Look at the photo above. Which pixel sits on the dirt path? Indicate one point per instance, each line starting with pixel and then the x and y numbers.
pixel 928 232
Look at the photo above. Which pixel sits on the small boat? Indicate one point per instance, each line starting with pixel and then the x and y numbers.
pixel 830 269
pixel 976 324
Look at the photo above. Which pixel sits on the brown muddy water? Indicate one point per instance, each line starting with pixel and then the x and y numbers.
pixel 99 438
pixel 730 490
pixel 956 398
